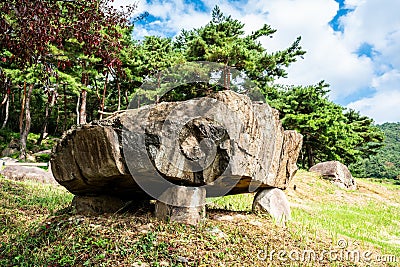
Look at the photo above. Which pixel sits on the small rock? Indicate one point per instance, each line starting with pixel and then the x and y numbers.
pixel 218 233
pixel 8 159
pixel 8 152
pixel 182 259
pixel 274 202
pixel 25 173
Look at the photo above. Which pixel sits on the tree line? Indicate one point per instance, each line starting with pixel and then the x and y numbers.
pixel 71 62
pixel 386 163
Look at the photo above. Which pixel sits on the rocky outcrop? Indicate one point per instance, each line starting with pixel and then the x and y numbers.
pixel 223 141
pixel 337 173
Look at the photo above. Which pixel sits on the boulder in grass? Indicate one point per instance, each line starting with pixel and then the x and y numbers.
pixel 28 173
pixel 337 173
pixel 274 202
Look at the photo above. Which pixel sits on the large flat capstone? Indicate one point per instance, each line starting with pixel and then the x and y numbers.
pixel 224 141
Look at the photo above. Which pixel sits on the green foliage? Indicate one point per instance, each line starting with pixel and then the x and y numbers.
pixel 240 202
pixel 329 132
pixel 43 158
pixel 386 163
pixel 144 60
pixel 111 67
pixel 222 40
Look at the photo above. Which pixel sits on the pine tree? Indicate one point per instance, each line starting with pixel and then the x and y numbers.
pixel 329 131
pixel 222 40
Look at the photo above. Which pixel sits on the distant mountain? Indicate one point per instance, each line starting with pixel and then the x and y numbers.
pixel 386 164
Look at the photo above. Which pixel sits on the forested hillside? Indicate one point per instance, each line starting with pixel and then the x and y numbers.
pixel 385 164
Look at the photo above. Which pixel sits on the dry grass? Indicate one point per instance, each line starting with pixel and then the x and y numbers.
pixel 37 229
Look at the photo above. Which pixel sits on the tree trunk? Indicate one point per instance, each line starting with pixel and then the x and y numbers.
pixel 82 110
pixel 57 120
pixel 7 110
pixel 104 97
pixel 49 107
pixel 78 103
pixel 97 90
pixel 119 96
pixel 27 126
pixel 310 156
pixel 4 100
pixel 227 77
pixel 21 116
pixel 126 98
pixel 65 109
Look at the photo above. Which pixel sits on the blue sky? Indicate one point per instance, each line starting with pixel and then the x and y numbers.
pixel 353 45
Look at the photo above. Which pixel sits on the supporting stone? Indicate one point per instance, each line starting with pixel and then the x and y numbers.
pixel 274 202
pixel 182 204
pixel 95 205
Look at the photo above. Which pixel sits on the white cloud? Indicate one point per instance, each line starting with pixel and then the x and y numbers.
pixel 353 3
pixel 173 17
pixel 384 105
pixel 327 57
pixel 331 56
pixel 378 24
pixel 374 22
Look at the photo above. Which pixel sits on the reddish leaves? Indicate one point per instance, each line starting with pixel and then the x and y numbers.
pixel 28 27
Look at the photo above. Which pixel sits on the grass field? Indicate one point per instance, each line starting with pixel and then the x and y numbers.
pixel 37 228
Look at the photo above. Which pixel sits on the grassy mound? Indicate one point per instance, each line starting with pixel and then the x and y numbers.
pixel 330 227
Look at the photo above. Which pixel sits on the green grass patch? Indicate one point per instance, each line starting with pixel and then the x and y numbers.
pixel 374 223
pixel 241 202
pixel 38 229
pixel 30 195
pixel 392 184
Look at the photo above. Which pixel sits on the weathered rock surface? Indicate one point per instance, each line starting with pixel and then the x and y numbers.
pixel 223 141
pixel 274 202
pixel 337 173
